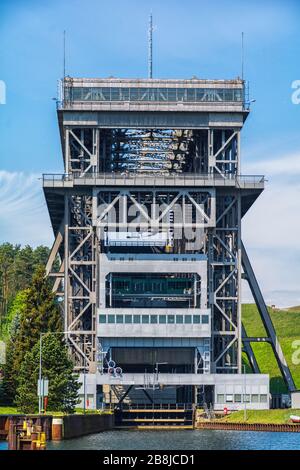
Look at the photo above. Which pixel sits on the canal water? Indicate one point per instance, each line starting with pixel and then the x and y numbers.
pixel 180 440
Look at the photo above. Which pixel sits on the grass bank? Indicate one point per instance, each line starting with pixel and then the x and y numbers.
pixel 287 325
pixel 261 416
pixel 11 410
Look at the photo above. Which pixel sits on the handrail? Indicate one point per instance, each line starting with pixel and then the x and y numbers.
pixel 154 179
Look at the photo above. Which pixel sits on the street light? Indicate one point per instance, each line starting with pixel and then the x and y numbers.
pixel 245 390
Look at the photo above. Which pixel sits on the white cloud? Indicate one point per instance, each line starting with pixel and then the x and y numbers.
pixel 23 213
pixel 271 231
pixel 289 165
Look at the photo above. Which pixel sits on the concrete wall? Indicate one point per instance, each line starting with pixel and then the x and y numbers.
pixel 155 265
pixel 80 425
pixel 295 399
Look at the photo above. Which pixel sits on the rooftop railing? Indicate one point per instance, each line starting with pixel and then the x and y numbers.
pixel 186 179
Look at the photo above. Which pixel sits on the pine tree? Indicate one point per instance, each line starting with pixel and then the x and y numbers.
pixel 57 368
pixel 39 313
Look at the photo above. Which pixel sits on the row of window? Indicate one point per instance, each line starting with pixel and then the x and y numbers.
pixel 153 94
pixel 152 319
pixel 239 398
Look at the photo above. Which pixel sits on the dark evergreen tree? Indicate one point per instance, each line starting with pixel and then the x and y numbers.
pixel 57 368
pixel 39 313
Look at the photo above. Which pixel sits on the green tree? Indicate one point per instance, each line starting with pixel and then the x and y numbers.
pixel 17 266
pixel 8 384
pixel 15 309
pixel 57 368
pixel 38 313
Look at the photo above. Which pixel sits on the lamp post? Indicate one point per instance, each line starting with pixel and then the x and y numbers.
pixel 245 391
pixel 84 385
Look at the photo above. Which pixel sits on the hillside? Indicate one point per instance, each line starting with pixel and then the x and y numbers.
pixel 287 325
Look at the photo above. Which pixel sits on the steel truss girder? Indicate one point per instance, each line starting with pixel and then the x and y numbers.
pixel 267 322
pixel 223 153
pixel 249 352
pixel 77 279
pixel 83 154
pixel 204 212
pixel 224 274
pixel 81 150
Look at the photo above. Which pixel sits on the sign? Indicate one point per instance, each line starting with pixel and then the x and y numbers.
pixel 43 386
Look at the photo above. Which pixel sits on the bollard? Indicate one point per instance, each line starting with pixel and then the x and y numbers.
pixel 57 429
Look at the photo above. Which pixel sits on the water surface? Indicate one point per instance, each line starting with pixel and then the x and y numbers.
pixel 182 440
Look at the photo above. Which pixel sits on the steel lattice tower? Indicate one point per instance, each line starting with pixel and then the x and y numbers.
pixel 147 223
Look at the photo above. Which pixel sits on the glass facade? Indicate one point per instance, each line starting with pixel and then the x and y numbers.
pixel 153 94
pixel 154 319
pixel 239 398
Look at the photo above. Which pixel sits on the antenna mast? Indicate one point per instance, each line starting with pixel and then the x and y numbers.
pixel 150 31
pixel 242 56
pixel 64 59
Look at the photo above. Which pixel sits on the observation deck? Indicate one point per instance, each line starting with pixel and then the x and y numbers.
pixel 185 180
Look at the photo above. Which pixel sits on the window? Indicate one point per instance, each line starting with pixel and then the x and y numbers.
pixel 162 319
pixel 145 318
pixel 134 94
pixel 254 398
pixel 220 398
pixel 263 398
pixel 111 318
pixel 124 94
pixel 188 319
pixel 86 94
pixel 128 318
pixel 179 318
pixel 171 318
pixel 181 94
pixel 120 319
pixel 205 319
pixel 156 94
pixel 171 94
pixel 77 94
pixel 153 318
pixel 191 92
pixel 238 398
pixel 136 319
pixel 102 318
pixel 247 398
pixel 229 398
pixel 144 94
pixel 196 319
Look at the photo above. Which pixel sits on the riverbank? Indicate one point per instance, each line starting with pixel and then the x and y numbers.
pixel 21 430
pixel 281 416
pixel 252 420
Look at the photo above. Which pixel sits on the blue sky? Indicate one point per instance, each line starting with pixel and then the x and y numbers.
pixel 191 38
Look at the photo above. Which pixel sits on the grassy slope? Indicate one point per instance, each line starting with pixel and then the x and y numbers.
pixel 287 325
pixel 262 416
